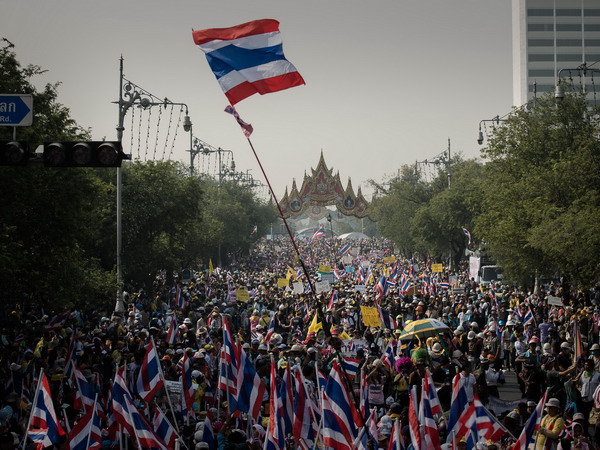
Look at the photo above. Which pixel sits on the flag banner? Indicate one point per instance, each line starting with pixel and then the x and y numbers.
pixel 248 59
pixel 247 130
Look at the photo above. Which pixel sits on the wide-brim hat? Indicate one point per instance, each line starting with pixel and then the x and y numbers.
pixel 553 403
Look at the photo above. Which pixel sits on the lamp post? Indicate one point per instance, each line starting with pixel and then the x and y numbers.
pixel 583 69
pixel 330 224
pixel 480 135
pixel 129 95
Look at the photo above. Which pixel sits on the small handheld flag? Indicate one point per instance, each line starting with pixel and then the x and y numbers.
pixel 248 59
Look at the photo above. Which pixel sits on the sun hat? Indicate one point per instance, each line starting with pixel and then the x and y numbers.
pixel 553 403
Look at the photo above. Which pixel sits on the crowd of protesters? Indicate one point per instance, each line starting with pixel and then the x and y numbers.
pixel 552 351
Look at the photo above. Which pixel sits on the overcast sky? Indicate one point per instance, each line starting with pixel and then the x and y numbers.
pixel 387 81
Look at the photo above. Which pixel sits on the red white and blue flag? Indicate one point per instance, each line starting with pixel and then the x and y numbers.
pixel 248 59
pixel 429 430
pixel 119 405
pixel 532 425
pixel 462 416
pixel 340 416
pixel 319 233
pixel 467 234
pixel 44 427
pixel 172 331
pixel 271 329
pixel 164 429
pixel 274 439
pixel 150 378
pixel 250 388
pixel 286 401
pixel 350 366
pixel 304 425
pixel 87 433
pixel 345 249
pixel 332 300
pixel 188 390
pixel 247 130
pixel 413 419
pixel 144 434
pixel 381 287
pixel 85 395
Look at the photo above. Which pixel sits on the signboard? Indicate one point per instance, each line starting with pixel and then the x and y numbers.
pixel 174 390
pixel 282 282
pixel 360 288
pixel 474 263
pixel 322 286
pixel 324 269
pixel 242 295
pixel 436 268
pixel 352 345
pixel 389 259
pixel 327 277
pixel 554 301
pixel 16 110
pixel 349 269
pixel 370 316
pixel 298 287
pixel 347 259
pixel 186 276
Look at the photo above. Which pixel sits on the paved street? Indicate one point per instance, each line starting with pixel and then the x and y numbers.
pixel 510 390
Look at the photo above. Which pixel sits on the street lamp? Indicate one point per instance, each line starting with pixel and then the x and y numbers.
pixel 480 135
pixel 583 69
pixel 330 224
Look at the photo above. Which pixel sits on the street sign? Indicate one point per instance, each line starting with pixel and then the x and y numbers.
pixel 16 110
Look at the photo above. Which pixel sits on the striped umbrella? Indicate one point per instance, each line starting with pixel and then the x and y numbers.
pixel 423 328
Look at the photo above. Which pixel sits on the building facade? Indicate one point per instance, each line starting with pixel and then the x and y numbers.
pixel 550 35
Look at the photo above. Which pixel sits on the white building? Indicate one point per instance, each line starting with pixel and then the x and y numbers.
pixel 550 35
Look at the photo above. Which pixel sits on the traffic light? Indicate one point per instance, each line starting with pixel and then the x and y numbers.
pixel 14 153
pixel 84 154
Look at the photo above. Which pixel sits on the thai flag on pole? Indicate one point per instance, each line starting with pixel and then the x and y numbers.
pixel 58 321
pixel 338 274
pixel 208 434
pixel 250 388
pixel 396 439
pixel 186 384
pixel 87 433
pixel 44 428
pixel 319 233
pixel 487 426
pixel 405 285
pixel 444 285
pixel 345 249
pixel 286 402
pixel 528 317
pixel 413 419
pixel 247 129
pixel 248 59
pixel 351 366
pixel 467 234
pixel 144 434
pixel 386 319
pixel 164 429
pixel 458 409
pixel 532 425
pixel 321 380
pixel 150 378
pixel 381 288
pixel 271 328
pixel 388 359
pixel 120 407
pixel 70 359
pixel 367 432
pixel 275 438
pixel 430 433
pixel 172 331
pixel 431 395
pixel 86 390
pixel 332 300
pixel 340 417
pixel 232 361
pixel 364 394
pixel 360 275
pixel 303 427
pixel 179 299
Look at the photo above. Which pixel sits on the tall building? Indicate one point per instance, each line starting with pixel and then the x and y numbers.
pixel 550 35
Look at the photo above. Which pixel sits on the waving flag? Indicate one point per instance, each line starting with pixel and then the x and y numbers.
pixel 165 431
pixel 250 388
pixel 172 331
pixel 120 408
pixel 340 417
pixel 248 59
pixel 459 421
pixel 86 390
pixel 286 402
pixel 271 328
pixel 208 434
pixel 231 362
pixel 274 437
pixel 319 233
pixel 150 378
pixel 351 366
pixel 87 433
pixel 44 428
pixel 413 419
pixel 144 434
pixel 430 433
pixel 303 427
pixel 431 394
pixel 332 300
pixel 364 394
pixel 396 439
pixel 381 287
pixel 58 321
pixel 532 425
pixel 467 234
pixel 247 130
pixel 186 383
pixel 487 426
pixel 345 249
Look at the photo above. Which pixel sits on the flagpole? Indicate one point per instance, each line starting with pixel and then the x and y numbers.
pixel 287 227
pixel 87 445
pixel 35 397
pixel 165 386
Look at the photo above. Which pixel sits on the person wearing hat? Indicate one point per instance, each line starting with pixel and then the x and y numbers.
pixel 563 359
pixel 551 426
pixel 588 380
pixel 595 356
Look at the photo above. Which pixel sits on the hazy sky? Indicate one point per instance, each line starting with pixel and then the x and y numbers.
pixel 387 81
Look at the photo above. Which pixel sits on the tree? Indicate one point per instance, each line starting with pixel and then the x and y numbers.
pixel 541 201
pixel 47 215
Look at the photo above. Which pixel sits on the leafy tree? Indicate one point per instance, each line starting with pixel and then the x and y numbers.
pixel 47 215
pixel 541 201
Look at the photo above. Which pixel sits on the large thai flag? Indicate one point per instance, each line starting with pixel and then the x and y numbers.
pixel 350 366
pixel 319 233
pixel 458 408
pixel 44 428
pixel 386 319
pixel 345 249
pixel 208 434
pixel 188 390
pixel 304 425
pixel 340 416
pixel 86 390
pixel 172 331
pixel 404 285
pixel 163 428
pixel 250 388
pixel 396 439
pixel 430 394
pixel 87 433
pixel 286 402
pixel 528 317
pixel 364 394
pixel 381 287
pixel 413 419
pixel 275 438
pixel 486 425
pixel 367 432
pixel 144 434
pixel 532 425
pixel 232 361
pixel 150 378
pixel 332 300
pixel 429 430
pixel 120 408
pixel 248 59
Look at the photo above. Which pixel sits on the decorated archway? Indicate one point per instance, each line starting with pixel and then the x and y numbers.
pixel 321 189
